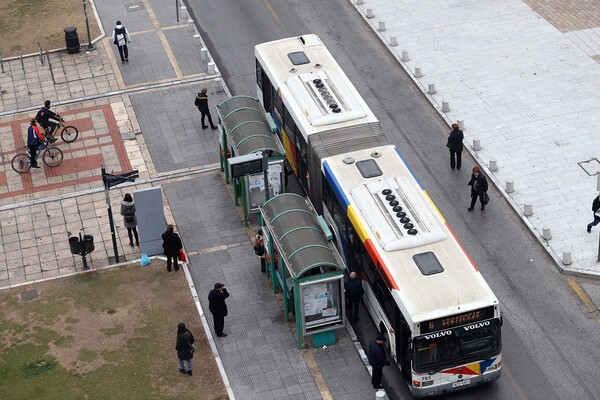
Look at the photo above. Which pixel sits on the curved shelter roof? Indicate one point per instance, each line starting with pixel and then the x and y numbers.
pixel 298 235
pixel 247 127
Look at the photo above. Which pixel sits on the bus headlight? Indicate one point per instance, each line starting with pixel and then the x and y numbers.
pixel 492 367
pixel 426 383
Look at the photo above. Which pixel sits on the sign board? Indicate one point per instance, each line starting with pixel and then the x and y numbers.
pixel 246 164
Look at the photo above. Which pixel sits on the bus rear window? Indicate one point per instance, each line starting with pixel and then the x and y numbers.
pixel 298 58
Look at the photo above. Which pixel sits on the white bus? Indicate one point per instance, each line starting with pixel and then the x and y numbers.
pixel 421 288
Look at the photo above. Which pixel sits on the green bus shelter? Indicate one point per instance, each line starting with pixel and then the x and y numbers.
pixel 304 262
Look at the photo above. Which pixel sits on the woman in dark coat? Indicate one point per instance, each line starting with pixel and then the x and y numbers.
pixel 479 186
pixel 129 219
pixel 455 145
pixel 185 352
pixel 171 245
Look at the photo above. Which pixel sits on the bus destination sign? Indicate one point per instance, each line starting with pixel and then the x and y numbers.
pixel 456 320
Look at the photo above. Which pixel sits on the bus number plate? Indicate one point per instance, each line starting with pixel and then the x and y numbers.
pixel 461 383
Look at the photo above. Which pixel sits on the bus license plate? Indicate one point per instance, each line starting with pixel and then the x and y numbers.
pixel 461 383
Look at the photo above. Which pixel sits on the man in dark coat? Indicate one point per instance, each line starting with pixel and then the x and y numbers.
pixel 596 210
pixel 479 187
pixel 44 117
pixel 171 246
pixel 377 359
pixel 34 140
pixel 455 144
pixel 202 104
pixel 218 308
pixel 185 350
pixel 354 292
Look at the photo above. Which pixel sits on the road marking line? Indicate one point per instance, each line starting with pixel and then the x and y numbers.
pixel 589 304
pixel 271 10
pixel 511 378
pixel 310 361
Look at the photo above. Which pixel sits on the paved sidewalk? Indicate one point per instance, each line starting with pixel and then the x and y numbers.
pixel 523 76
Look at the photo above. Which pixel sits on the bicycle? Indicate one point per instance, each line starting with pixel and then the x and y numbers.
pixel 68 133
pixel 51 155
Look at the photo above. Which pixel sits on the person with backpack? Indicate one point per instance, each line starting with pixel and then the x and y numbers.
pixel 44 117
pixel 259 250
pixel 129 219
pixel 121 37
pixel 34 140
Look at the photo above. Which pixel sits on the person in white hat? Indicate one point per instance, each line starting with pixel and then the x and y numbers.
pixel 121 37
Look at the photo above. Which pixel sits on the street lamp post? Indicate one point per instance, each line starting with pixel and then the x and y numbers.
pixel 90 46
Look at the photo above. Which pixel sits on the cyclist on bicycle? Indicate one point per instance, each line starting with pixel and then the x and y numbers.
pixel 35 139
pixel 44 117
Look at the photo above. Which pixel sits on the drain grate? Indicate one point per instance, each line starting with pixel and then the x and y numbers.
pixel 132 7
pixel 591 167
pixel 29 295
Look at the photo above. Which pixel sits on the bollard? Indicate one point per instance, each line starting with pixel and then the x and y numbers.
pixel 393 41
pixel 461 124
pixel 528 210
pixel 219 85
pixel 493 165
pixel 381 395
pixel 204 53
pixel 445 106
pixel 546 233
pixel 510 186
pixel 211 68
pixel 370 13
pixel 197 41
pixel 381 26
pixel 191 26
pixel 431 89
pixel 405 56
pixel 1 64
pixel 566 258
pixel 183 12
pixel 418 72
pixel 359 2
pixel 476 144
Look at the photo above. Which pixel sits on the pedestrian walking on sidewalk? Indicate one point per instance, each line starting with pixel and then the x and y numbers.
pixel 218 308
pixel 171 245
pixel 354 292
pixel 377 359
pixel 35 138
pixel 121 37
pixel 129 219
pixel 455 145
pixel 479 187
pixel 185 348
pixel 202 104
pixel 596 210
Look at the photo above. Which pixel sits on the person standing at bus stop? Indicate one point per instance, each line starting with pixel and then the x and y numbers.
pixel 455 145
pixel 218 308
pixel 354 292
pixel 171 245
pixel 377 359
pixel 202 103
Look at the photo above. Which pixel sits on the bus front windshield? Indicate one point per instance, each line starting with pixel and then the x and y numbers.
pixel 459 345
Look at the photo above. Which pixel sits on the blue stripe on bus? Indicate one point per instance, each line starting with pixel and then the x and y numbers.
pixel 409 170
pixel 335 186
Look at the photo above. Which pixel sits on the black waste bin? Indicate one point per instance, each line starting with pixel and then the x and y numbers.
pixel 87 244
pixel 72 40
pixel 74 244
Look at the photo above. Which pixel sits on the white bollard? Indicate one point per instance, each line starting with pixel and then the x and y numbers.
pixel 393 41
pixel 445 106
pixel 493 165
pixel 191 26
pixel 211 68
pixel 183 12
pixel 405 56
pixel 566 258
pixel 546 233
pixel 476 144
pixel 381 395
pixel 510 186
pixel 197 40
pixel 204 53
pixel 381 26
pixel 219 85
pixel 431 89
pixel 359 2
pixel 528 210
pixel 418 72
pixel 370 13
pixel 461 124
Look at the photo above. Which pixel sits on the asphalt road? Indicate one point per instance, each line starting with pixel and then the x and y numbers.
pixel 550 341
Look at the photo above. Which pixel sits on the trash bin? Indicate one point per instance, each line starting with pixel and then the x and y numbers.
pixel 72 40
pixel 87 244
pixel 74 244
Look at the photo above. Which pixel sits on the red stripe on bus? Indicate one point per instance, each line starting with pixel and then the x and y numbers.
pixel 379 264
pixel 462 247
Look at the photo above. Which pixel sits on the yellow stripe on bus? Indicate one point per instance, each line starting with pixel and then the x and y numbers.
pixel 434 206
pixel 357 224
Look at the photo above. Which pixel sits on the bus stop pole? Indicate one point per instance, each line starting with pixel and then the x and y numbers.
pixel 265 165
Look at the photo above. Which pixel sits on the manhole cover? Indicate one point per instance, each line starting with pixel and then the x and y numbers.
pixel 29 295
pixel 591 167
pixel 131 7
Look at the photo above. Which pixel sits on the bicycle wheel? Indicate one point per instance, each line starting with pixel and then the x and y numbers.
pixel 69 134
pixel 52 156
pixel 21 163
